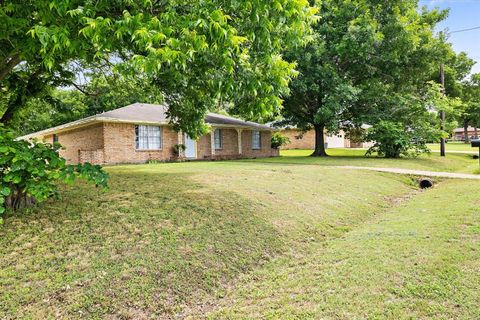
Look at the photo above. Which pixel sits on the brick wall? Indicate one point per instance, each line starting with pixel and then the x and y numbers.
pixel 112 143
pixel 230 146
pixel 204 147
pixel 120 145
pixel 87 139
pixel 306 141
pixel 265 144
pixel 230 143
pixel 92 156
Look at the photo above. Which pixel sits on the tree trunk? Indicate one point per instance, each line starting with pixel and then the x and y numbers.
pixel 319 142
pixel 8 64
pixel 12 106
pixel 476 133
pixel 466 138
pixel 24 90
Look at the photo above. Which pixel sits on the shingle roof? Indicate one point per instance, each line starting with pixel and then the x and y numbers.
pixel 219 119
pixel 145 112
pixel 142 112
pixel 148 113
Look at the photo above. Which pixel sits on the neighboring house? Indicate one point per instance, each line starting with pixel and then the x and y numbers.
pixel 141 132
pixel 459 133
pixel 306 140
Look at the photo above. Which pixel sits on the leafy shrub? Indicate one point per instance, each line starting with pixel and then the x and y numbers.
pixel 279 140
pixel 406 128
pixel 178 149
pixel 356 135
pixel 392 140
pixel 30 172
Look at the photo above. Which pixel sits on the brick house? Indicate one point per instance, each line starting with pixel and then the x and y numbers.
pixel 459 133
pixel 306 140
pixel 141 132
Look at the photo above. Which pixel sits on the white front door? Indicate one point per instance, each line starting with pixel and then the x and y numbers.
pixel 191 147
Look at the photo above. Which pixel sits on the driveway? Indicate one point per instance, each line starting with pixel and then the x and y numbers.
pixel 417 172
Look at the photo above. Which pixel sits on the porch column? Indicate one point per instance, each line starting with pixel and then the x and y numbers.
pixel 212 141
pixel 181 153
pixel 239 134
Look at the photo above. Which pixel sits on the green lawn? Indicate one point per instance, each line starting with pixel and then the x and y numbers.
pixel 245 239
pixel 417 260
pixel 453 146
pixel 457 162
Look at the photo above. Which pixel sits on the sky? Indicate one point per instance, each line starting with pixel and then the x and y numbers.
pixel 464 14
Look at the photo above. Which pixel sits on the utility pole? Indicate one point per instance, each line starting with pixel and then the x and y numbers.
pixel 442 112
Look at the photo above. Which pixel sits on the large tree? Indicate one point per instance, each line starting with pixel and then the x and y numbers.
pixel 471 99
pixel 369 58
pixel 197 52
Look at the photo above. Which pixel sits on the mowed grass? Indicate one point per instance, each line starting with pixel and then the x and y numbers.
pixel 453 146
pixel 168 239
pixel 418 260
pixel 244 239
pixel 454 162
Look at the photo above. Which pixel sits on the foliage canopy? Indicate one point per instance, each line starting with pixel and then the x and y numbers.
pixel 199 53
pixel 370 63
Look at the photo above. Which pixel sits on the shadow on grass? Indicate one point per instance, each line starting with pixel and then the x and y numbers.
pixel 153 243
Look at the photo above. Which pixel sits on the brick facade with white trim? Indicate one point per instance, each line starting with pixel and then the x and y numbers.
pixel 114 143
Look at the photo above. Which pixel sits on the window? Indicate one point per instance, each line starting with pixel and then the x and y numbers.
pixel 256 140
pixel 148 138
pixel 217 136
pixel 55 138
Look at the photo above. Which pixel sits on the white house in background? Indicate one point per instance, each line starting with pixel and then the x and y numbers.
pixel 306 140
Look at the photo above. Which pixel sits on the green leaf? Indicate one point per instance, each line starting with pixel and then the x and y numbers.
pixel 5 191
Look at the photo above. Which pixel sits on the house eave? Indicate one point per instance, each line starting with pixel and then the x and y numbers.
pixel 61 128
pixel 232 126
pixel 94 120
pixel 83 123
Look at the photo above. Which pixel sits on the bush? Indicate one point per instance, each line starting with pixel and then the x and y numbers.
pixel 356 135
pixel 178 149
pixel 279 140
pixel 393 140
pixel 30 172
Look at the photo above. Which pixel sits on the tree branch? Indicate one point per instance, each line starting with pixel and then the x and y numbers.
pixel 8 64
pixel 79 88
pixel 27 89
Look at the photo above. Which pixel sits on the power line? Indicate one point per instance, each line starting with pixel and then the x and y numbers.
pixel 463 30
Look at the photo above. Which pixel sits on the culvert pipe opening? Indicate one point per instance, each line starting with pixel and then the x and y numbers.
pixel 425 183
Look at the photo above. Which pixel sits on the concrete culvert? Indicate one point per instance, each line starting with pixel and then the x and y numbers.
pixel 425 183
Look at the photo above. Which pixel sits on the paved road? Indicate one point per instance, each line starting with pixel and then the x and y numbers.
pixel 417 172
